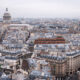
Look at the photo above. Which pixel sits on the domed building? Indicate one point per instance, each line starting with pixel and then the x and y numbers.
pixel 7 17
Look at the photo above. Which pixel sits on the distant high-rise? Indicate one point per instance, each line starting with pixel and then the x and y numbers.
pixel 7 17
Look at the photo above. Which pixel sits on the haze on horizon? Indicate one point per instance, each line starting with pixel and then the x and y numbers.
pixel 41 8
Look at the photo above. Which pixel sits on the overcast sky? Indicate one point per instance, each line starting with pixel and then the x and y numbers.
pixel 41 8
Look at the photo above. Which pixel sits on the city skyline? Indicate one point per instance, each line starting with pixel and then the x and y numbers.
pixel 39 40
pixel 41 8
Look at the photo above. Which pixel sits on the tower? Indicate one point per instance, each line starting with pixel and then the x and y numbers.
pixel 6 17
